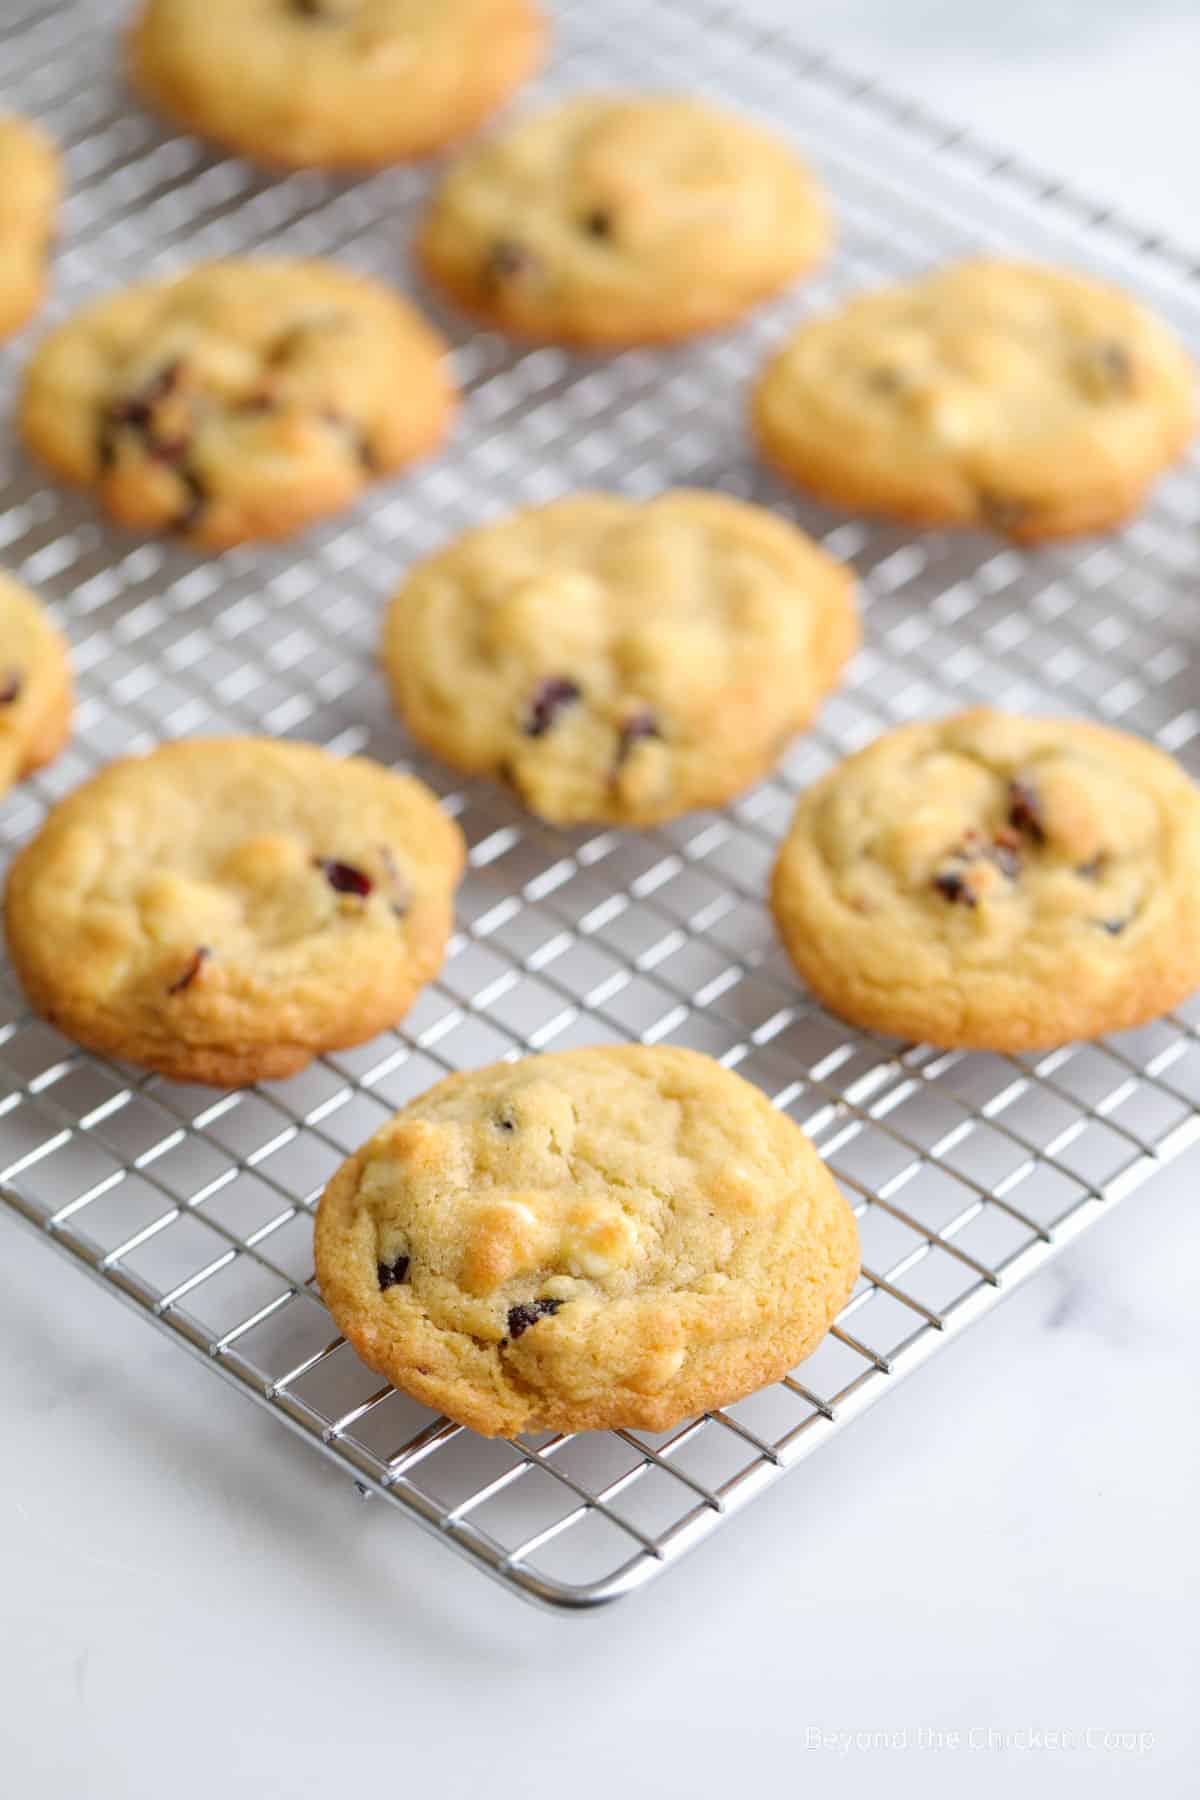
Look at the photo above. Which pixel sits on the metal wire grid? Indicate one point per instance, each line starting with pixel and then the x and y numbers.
pixel 966 1172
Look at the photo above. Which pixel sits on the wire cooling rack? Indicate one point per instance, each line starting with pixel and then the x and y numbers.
pixel 966 1172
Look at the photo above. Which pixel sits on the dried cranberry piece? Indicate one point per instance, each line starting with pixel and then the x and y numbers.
pixel 1110 366
pixel 1003 851
pixel 634 730
pixel 343 877
pixel 952 884
pixel 1004 512
pixel 520 1318
pixel 1025 809
pixel 391 1274
pixel 196 962
pixel 169 450
pixel 137 409
pixel 135 412
pixel 509 260
pixel 193 507
pixel 549 698
pixel 11 684
pixel 1116 362
pixel 885 380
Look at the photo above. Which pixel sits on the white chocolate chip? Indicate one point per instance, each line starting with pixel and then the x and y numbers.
pixel 597 1241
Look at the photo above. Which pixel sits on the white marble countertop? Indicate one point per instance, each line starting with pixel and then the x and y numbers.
pixel 194 1604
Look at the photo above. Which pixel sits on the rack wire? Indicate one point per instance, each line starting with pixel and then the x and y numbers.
pixel 967 1172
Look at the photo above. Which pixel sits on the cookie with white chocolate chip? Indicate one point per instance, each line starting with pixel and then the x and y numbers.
pixel 995 882
pixel 333 83
pixel 1025 400
pixel 244 399
pixel 36 688
pixel 621 661
pixel 224 909
pixel 29 189
pixel 613 219
pixel 589 1239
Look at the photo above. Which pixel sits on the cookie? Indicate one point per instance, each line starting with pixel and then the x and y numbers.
pixel 613 220
pixel 614 1237
pixel 29 192
pixel 332 83
pixel 1032 402
pixel 225 909
pixel 998 883
pixel 242 400
pixel 615 660
pixel 35 685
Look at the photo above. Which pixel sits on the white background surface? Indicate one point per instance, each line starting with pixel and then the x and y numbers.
pixel 194 1605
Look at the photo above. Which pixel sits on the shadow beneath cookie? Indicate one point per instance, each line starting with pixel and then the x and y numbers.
pixel 242 1464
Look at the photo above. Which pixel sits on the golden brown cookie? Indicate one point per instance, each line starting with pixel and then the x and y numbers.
pixel 30 183
pixel 333 83
pixel 225 909
pixel 1024 399
pixel 619 660
pixel 612 220
pixel 245 399
pixel 598 1238
pixel 994 882
pixel 35 685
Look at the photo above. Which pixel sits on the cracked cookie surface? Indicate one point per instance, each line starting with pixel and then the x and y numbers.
pixel 610 220
pixel 225 909
pixel 29 190
pixel 616 660
pixel 244 399
pixel 582 1240
pixel 1020 399
pixel 35 684
pixel 989 881
pixel 333 83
